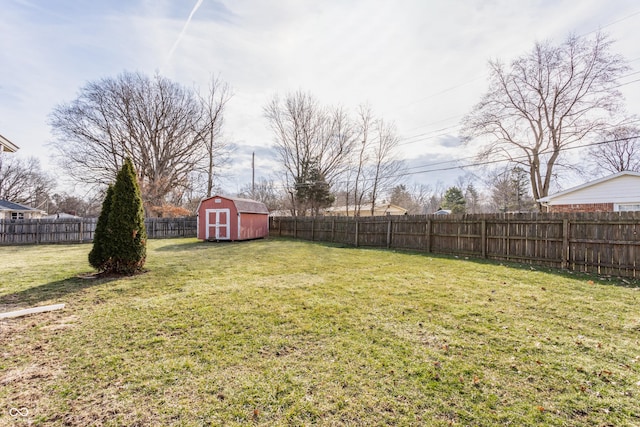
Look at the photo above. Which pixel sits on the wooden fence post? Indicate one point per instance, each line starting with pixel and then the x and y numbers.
pixel 357 242
pixel 507 241
pixel 483 237
pixel 389 234
pixel 295 227
pixel 333 229
pixel 565 244
pixel 428 236
pixel 313 229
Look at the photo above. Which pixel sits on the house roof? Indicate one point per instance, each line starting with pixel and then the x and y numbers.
pixel 7 145
pixel 61 215
pixel 588 186
pixel 243 205
pixel 6 205
pixel 383 207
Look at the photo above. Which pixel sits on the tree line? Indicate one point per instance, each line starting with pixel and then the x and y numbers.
pixel 326 152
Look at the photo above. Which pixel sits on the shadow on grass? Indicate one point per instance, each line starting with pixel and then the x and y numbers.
pixel 52 291
pixel 201 245
pixel 603 280
pixel 181 247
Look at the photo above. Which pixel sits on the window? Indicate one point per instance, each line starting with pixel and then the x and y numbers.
pixel 17 215
pixel 628 207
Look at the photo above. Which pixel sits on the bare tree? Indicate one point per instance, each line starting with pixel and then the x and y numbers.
pixel 164 127
pixel 473 198
pixel 374 165
pixel 357 158
pixel 415 198
pixel 385 166
pixel 509 190
pixel 265 191
pixel 421 195
pixel 23 181
pixel 361 159
pixel 212 119
pixel 434 201
pixel 75 205
pixel 618 151
pixel 308 138
pixel 548 100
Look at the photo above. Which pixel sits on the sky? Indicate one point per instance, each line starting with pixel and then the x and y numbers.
pixel 421 64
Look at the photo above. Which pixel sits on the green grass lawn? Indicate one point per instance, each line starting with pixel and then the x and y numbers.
pixel 282 332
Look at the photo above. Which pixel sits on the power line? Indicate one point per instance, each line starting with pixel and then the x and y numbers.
pixel 477 164
pixel 426 135
pixel 441 92
pixel 612 23
pixel 457 116
pixel 517 158
pixel 407 140
pixel 627 83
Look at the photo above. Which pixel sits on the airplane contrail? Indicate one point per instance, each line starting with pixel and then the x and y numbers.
pixel 184 29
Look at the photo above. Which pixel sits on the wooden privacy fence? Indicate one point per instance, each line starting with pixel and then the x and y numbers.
pixel 33 231
pixel 605 243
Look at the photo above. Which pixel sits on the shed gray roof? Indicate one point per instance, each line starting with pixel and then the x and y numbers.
pixel 6 205
pixel 247 205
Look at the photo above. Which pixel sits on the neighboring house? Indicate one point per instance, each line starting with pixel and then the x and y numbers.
pixel 614 193
pixel 231 218
pixel 7 146
pixel 15 211
pixel 382 209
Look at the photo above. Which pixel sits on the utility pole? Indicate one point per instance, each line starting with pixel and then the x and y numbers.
pixel 253 174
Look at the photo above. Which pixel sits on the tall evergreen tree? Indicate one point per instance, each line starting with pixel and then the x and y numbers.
pixel 313 192
pixel 454 200
pixel 127 233
pixel 99 255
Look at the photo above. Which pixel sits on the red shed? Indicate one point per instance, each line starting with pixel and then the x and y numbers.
pixel 230 218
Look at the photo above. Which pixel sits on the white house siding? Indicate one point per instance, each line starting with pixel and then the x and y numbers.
pixel 622 189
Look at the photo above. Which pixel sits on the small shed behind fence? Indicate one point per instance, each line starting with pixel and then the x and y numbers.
pixel 230 218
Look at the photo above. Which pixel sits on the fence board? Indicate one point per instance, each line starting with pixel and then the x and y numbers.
pixel 602 243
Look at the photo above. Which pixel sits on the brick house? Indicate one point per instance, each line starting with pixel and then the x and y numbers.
pixel 614 193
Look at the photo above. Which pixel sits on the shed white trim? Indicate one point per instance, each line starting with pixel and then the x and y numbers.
pixel 221 229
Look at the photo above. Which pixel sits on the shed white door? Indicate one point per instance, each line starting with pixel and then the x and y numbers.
pixel 218 224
